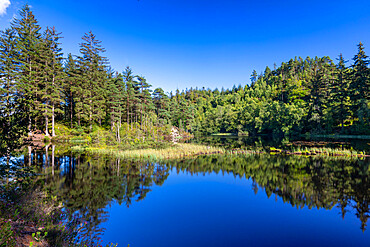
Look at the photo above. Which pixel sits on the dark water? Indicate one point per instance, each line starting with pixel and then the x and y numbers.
pixel 213 200
pixel 263 142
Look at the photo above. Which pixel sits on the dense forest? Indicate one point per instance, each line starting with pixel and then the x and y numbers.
pixel 41 87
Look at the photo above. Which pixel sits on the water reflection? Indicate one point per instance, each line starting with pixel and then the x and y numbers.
pixel 263 142
pixel 88 184
pixel 300 181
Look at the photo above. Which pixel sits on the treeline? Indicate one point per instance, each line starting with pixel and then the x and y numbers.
pixel 312 95
pixel 40 87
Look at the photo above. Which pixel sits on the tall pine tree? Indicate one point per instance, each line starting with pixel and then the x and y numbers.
pixel 29 46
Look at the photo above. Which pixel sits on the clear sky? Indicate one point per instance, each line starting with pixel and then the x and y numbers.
pixel 204 43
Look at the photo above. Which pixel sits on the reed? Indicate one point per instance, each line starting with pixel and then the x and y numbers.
pixel 176 151
pixel 186 150
pixel 327 151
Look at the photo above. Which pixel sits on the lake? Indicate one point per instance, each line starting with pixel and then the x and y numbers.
pixel 214 200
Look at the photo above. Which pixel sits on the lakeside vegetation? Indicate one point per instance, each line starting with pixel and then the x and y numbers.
pixel 187 150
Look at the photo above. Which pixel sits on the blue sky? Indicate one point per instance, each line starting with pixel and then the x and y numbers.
pixel 203 43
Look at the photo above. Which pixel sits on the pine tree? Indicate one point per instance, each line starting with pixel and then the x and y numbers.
pixel 29 44
pixel 114 97
pixel 161 103
pixel 321 82
pixel 340 100
pixel 360 86
pixel 128 78
pixel 69 87
pixel 51 58
pixel 144 96
pixel 13 119
pixel 92 66
pixel 253 78
pixel 360 75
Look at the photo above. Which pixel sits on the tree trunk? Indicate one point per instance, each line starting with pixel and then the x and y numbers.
pixel 46 123
pixel 71 105
pixel 118 161
pixel 53 121
pixel 7 165
pixel 29 124
pixel 29 155
pixel 128 111
pixel 47 155
pixel 90 117
pixel 118 134
pixel 52 158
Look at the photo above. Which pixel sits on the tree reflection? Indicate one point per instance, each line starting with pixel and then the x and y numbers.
pixel 320 182
pixel 88 184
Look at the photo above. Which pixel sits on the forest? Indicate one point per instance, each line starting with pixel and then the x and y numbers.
pixel 42 88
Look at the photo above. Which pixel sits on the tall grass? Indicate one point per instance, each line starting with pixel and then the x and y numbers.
pixel 327 151
pixel 182 150
pixel 176 151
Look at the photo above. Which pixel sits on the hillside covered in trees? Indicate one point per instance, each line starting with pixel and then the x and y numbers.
pixel 41 87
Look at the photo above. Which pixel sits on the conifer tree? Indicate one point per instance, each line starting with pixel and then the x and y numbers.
pixel 51 57
pixel 161 103
pixel 114 97
pixel 13 120
pixel 360 75
pixel 69 87
pixel 340 100
pixel 92 78
pixel 254 77
pixel 320 90
pixel 29 44
pixel 360 86
pixel 128 78
pixel 144 96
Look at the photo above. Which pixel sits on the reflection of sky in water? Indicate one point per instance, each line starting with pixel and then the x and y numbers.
pixel 196 208
pixel 64 165
pixel 220 210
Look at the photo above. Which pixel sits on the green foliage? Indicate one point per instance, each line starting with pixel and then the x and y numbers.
pixel 7 236
pixel 38 236
pixel 302 96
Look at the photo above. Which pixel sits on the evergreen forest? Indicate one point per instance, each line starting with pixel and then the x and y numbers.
pixel 42 87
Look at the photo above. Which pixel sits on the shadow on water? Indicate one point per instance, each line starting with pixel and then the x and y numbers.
pixel 88 184
pixel 263 142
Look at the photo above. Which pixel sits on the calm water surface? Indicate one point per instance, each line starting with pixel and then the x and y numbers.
pixel 214 200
